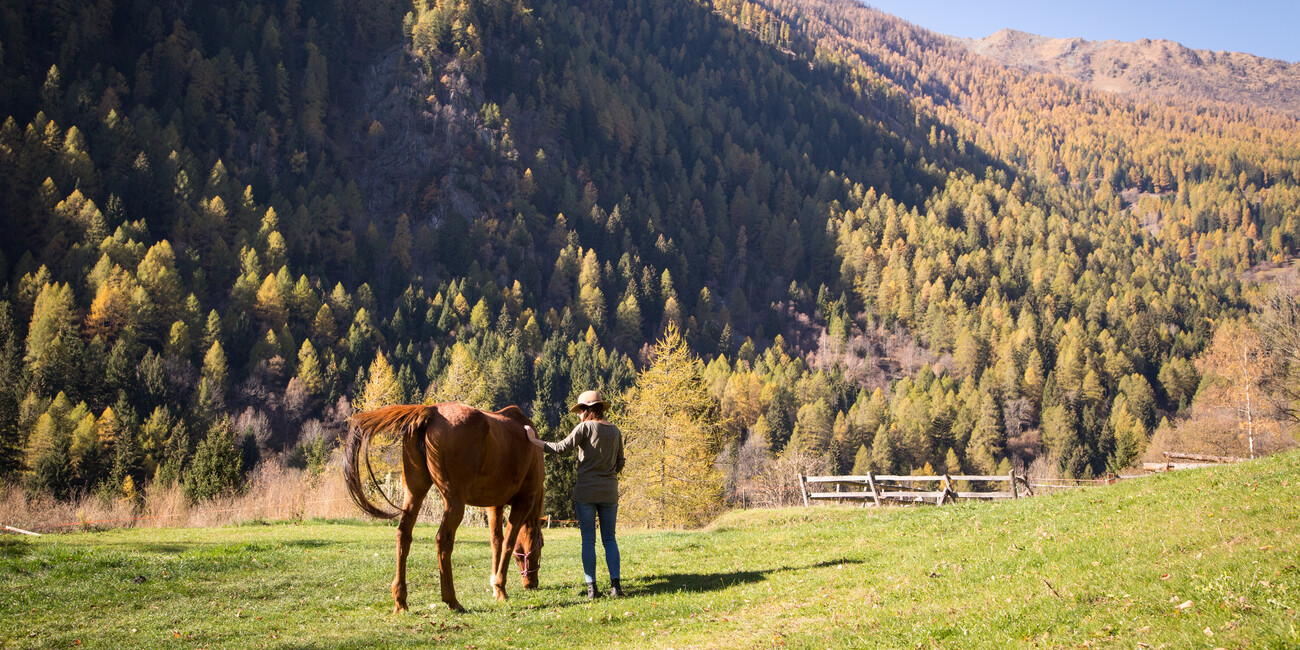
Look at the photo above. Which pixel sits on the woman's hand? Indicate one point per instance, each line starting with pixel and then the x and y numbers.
pixel 532 437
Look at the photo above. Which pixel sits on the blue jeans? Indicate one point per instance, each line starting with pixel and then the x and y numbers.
pixel 587 514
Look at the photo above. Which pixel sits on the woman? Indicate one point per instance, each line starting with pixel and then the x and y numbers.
pixel 595 492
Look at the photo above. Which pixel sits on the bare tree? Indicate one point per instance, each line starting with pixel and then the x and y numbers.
pixel 1278 321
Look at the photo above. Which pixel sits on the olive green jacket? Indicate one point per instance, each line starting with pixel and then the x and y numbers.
pixel 600 460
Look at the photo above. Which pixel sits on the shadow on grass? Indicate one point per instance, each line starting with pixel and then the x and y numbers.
pixel 702 582
pixel 314 543
pixel 565 595
pixel 12 548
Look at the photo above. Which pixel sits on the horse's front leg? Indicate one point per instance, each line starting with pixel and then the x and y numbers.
pixel 410 512
pixel 517 518
pixel 496 579
pixel 452 513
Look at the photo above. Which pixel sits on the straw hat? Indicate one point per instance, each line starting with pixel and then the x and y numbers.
pixel 589 398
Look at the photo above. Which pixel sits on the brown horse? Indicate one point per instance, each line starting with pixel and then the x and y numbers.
pixel 473 458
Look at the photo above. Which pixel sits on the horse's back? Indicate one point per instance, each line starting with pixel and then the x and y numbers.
pixel 515 413
pixel 485 456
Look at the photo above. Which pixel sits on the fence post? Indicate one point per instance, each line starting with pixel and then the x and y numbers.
pixel 803 488
pixel 1014 493
pixel 947 488
pixel 875 494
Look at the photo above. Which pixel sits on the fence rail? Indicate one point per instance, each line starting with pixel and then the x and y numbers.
pixel 891 487
pixel 1199 460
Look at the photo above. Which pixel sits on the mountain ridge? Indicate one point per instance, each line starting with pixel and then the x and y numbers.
pixel 1157 67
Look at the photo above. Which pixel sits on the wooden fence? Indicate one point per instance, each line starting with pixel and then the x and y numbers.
pixel 1199 460
pixel 875 489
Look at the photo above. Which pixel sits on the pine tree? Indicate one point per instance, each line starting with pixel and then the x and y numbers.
pixel 862 462
pixel 381 388
pixel 323 326
pixel 884 452
pixel 988 438
pixel 47 457
pixel 154 438
pixel 11 391
pixel 464 380
pixel 400 250
pixel 270 306
pixel 217 464
pixel 627 322
pixel 672 437
pixel 158 276
pixel 812 429
pixel 85 453
pixel 309 369
pixel 53 342
pixel 1130 437
pixel 179 343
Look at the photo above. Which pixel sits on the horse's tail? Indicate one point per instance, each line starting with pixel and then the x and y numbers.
pixel 408 420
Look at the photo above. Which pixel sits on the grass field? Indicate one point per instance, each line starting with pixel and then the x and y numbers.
pixel 1199 559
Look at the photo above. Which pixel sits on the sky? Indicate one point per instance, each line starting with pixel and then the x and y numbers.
pixel 1267 28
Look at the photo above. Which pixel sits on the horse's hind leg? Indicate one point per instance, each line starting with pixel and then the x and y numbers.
pixel 499 550
pixel 410 512
pixel 452 513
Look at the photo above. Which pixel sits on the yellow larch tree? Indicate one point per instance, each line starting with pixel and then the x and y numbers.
pixel 672 436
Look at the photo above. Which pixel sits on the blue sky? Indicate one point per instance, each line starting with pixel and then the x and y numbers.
pixel 1268 28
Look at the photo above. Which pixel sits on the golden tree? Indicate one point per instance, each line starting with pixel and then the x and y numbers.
pixel 381 386
pixel 1234 364
pixel 463 382
pixel 672 436
pixel 382 389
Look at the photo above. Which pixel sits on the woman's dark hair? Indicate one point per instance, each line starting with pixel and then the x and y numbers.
pixel 596 410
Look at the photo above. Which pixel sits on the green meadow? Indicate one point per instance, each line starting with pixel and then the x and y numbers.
pixel 1197 559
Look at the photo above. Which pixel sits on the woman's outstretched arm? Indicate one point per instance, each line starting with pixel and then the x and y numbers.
pixel 561 447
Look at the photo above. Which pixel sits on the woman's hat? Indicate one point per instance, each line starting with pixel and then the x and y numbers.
pixel 589 398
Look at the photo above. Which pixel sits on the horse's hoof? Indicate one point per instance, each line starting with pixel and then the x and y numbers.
pixel 455 606
pixel 399 608
pixel 501 595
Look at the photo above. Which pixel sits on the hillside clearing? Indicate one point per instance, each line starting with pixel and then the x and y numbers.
pixel 1191 559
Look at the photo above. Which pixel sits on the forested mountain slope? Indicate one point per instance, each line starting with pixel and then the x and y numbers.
pixel 888 252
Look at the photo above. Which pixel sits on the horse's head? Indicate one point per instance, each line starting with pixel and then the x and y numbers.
pixel 528 553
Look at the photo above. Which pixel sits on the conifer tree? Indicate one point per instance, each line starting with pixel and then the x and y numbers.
pixel 464 380
pixel 217 464
pixel 862 461
pixel 884 452
pixel 309 369
pixel 812 429
pixel 11 392
pixel 381 388
pixel 671 439
pixel 53 343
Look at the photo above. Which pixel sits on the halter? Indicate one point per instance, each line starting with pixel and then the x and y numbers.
pixel 524 571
